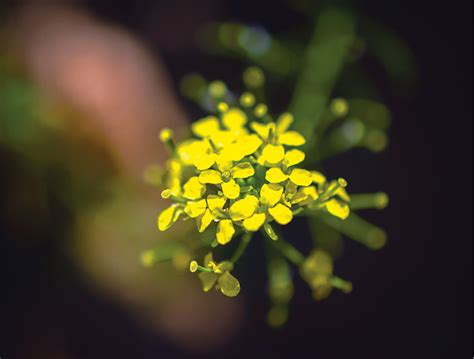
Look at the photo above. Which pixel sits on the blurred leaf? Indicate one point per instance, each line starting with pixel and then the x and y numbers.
pixel 323 60
pixel 250 43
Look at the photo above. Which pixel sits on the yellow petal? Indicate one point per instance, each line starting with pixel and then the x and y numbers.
pixel 254 222
pixel 225 231
pixel 204 220
pixel 231 189
pixel 260 129
pixel 337 208
pixel 243 208
pixel 189 151
pixel 311 192
pixel 234 118
pixel 195 208
pixel 193 189
pixel 275 175
pixel 228 285
pixel 284 122
pixel 222 138
pixel 301 177
pixel 168 217
pixel 291 138
pixel 205 161
pixel 270 194
pixel 206 126
pixel 215 202
pixel 249 144
pixel 281 214
pixel 210 176
pixel 273 154
pixel 293 157
pixel 318 177
pixel 242 170
pixel 232 152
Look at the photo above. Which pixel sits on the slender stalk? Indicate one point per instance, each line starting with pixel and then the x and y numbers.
pixel 357 229
pixel 341 284
pixel 369 200
pixel 290 252
pixel 244 242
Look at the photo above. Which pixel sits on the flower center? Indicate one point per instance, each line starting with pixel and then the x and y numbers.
pixel 226 176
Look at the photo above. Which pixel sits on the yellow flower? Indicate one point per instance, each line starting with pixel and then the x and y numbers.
pixel 217 276
pixel 241 172
pixel 226 176
pixel 225 156
pixel 205 211
pixel 279 131
pixel 234 150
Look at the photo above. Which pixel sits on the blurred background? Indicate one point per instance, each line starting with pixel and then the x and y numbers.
pixel 85 87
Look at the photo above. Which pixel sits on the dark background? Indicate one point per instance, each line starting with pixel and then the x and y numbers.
pixel 411 299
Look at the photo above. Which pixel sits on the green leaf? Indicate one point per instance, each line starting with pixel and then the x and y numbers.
pixel 323 61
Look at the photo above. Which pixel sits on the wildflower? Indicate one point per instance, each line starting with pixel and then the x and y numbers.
pixel 226 175
pixel 216 275
pixel 241 174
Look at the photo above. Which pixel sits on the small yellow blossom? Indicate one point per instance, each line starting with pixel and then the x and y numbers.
pixel 226 175
pixel 280 131
pixel 217 276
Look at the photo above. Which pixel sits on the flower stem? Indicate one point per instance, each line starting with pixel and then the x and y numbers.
pixel 244 242
pixel 341 284
pixel 290 252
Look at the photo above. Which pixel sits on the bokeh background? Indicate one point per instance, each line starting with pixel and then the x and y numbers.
pixel 85 87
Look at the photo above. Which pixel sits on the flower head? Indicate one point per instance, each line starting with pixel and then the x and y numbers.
pixel 241 174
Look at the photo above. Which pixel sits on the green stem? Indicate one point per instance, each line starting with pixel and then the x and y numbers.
pixel 290 252
pixel 244 242
pixel 341 284
pixel 357 229
pixel 322 63
pixel 370 200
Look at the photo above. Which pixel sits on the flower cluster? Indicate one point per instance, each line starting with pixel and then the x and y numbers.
pixel 241 172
